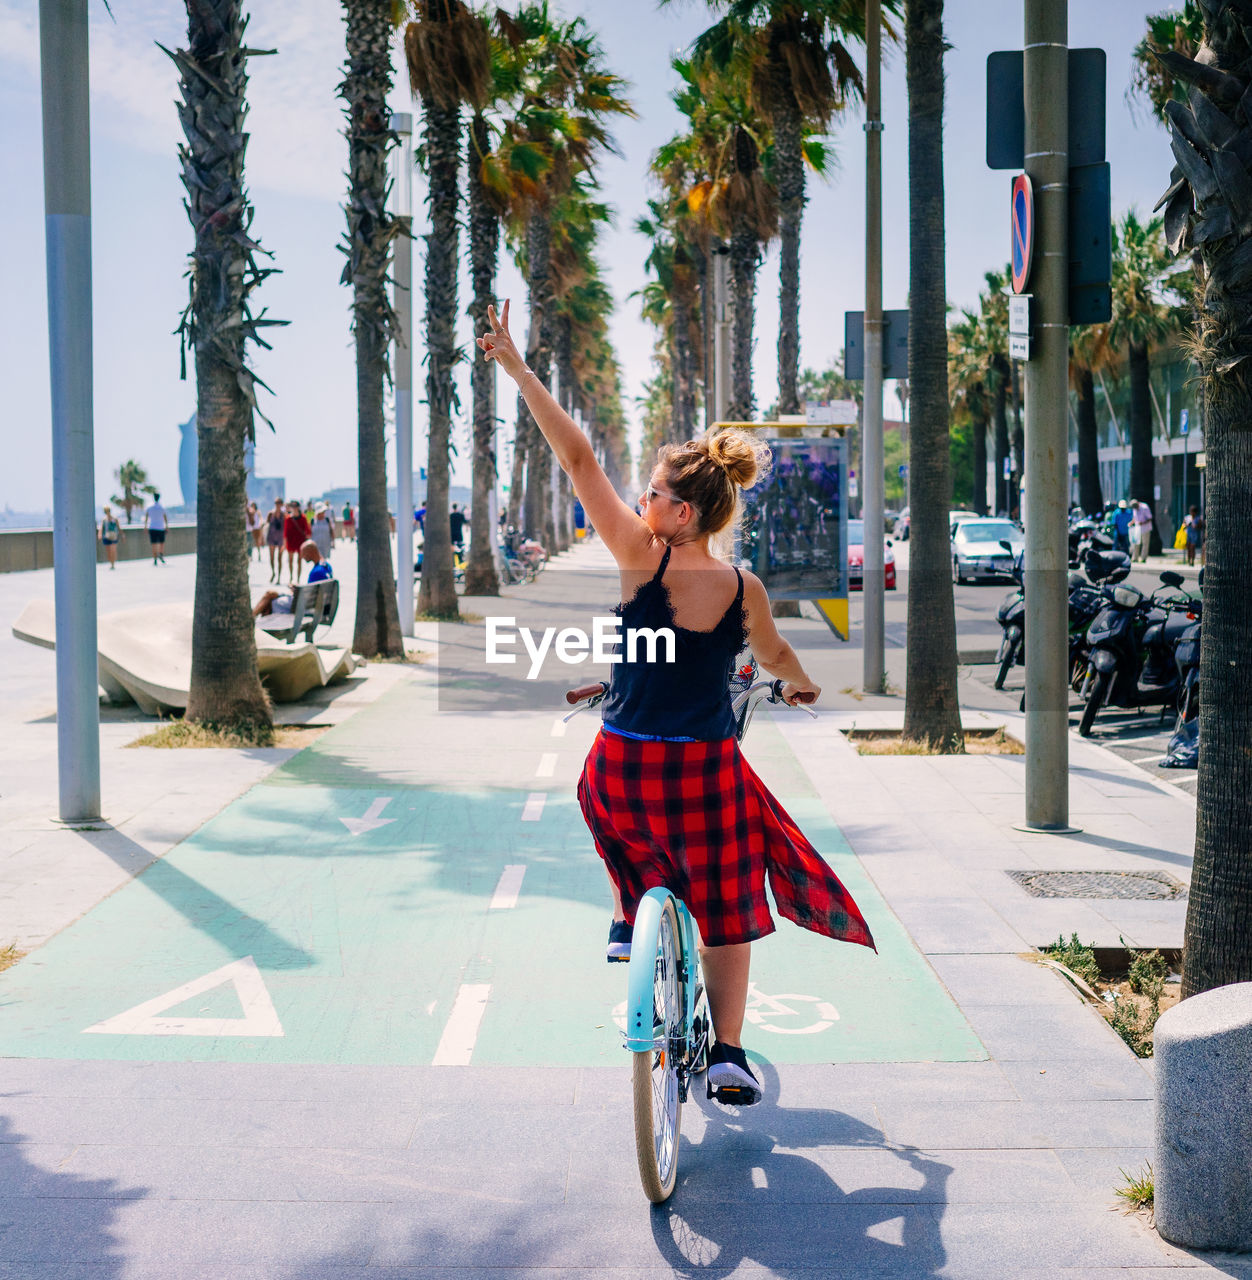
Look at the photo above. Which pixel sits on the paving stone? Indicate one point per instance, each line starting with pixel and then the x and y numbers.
pixel 1057 1079
pixel 1006 1124
pixel 1014 1031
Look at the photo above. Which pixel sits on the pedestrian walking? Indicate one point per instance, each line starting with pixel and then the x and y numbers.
pixel 110 534
pixel 1141 531
pixel 322 531
pixel 255 522
pixel 296 532
pixel 349 522
pixel 156 522
pixel 1194 525
pixel 456 518
pixel 1121 527
pixel 274 538
pixel 665 790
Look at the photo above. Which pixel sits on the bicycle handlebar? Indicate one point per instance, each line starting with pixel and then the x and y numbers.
pixel 575 696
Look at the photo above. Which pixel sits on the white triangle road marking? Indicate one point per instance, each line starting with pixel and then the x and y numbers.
pixel 371 820
pixel 260 1018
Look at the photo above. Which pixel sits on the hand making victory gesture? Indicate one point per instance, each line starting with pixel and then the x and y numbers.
pixel 498 344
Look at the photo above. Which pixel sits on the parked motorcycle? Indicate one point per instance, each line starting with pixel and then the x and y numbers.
pixel 1183 749
pixel 1131 644
pixel 1103 568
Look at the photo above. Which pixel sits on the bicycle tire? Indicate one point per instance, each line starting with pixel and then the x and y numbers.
pixel 654 1072
pixel 1095 701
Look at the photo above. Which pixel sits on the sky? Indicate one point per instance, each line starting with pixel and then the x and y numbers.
pixel 295 165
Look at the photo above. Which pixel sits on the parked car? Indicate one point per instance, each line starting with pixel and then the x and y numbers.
pixel 856 558
pixel 955 518
pixel 976 549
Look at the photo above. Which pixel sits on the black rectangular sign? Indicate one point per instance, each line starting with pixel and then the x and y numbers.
pixel 1006 108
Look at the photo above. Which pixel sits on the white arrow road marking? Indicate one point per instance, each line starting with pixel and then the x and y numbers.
pixel 507 888
pixel 547 765
pixel 532 811
pixel 456 1045
pixel 371 820
pixel 259 1015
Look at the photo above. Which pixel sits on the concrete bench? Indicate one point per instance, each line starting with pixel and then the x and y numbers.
pixel 1203 1165
pixel 313 605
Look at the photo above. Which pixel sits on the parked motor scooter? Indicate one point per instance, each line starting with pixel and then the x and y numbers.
pixel 1131 650
pixel 1183 749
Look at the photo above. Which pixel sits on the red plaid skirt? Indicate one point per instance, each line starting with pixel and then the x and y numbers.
pixel 693 817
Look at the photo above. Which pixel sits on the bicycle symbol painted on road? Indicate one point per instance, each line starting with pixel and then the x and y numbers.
pixel 785 1015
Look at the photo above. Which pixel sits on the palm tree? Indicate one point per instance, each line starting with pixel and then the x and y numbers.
pixel 1087 347
pixel 1207 212
pixel 1173 32
pixel 449 60
pixel 556 132
pixel 367 245
pixel 932 712
pixel 994 308
pixel 1141 320
pixel 133 481
pixel 969 390
pixel 799 74
pixel 225 688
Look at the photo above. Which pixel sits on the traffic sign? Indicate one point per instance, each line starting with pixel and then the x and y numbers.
pixel 1023 220
pixel 1006 108
pixel 895 344
pixel 1019 313
pixel 903 469
pixel 1019 346
pixel 1184 424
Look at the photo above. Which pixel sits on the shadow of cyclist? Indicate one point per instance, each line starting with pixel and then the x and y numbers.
pixel 745 1194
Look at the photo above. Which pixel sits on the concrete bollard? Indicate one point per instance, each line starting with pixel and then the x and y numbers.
pixel 1203 1165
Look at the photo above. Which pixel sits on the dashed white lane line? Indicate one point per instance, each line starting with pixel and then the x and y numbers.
pixel 532 811
pixel 558 728
pixel 507 888
pixel 456 1045
pixel 547 765
pixel 1146 759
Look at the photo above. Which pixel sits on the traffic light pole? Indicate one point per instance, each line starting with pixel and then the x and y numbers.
pixel 1046 80
pixel 873 581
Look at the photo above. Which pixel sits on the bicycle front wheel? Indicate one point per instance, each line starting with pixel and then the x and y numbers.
pixel 658 1108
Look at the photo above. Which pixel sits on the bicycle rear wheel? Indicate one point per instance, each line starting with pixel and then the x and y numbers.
pixel 658 1107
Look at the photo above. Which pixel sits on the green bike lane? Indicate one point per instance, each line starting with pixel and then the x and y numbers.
pixel 419 888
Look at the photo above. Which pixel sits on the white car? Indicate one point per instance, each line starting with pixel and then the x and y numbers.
pixel 976 549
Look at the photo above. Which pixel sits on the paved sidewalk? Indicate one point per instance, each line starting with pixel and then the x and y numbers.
pixel 962 1114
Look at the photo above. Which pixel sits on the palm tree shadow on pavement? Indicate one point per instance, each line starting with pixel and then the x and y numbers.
pixel 745 1194
pixel 53 1221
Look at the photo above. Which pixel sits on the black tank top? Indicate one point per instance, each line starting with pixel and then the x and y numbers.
pixel 687 699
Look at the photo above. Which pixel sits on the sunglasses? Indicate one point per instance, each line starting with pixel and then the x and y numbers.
pixel 652 492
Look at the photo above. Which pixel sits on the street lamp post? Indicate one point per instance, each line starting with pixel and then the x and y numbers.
pixel 873 582
pixel 67 222
pixel 402 188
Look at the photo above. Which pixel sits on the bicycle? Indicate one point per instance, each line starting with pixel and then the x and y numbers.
pixel 667 1019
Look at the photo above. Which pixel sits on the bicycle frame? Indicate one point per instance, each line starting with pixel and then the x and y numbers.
pixel 641 972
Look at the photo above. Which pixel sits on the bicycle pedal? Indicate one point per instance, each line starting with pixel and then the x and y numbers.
pixel 733 1095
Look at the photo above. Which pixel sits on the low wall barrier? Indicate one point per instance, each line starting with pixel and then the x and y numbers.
pixel 23 549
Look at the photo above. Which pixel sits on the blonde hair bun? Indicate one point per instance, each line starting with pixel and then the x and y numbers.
pixel 738 454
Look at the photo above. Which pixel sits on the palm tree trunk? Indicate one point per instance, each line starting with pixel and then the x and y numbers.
pixel 437 596
pixel 517 473
pixel 484 232
pixel 225 687
pixel 999 416
pixel 980 466
pixel 703 354
pixel 684 368
pixel 1142 464
pixel 1089 496
pixel 789 166
pixel 932 712
pixel 744 257
pixel 539 358
pixel 365 88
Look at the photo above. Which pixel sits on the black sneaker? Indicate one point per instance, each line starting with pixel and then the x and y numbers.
pixel 730 1079
pixel 620 934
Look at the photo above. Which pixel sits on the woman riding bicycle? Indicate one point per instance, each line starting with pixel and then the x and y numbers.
pixel 666 792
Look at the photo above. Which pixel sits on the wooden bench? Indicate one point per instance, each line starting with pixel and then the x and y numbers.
pixel 313 605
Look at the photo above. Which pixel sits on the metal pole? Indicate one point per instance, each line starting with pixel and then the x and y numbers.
pixel 402 123
pixel 873 580
pixel 1046 462
pixel 721 333
pixel 67 221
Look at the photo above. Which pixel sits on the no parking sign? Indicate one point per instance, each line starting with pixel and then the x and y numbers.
pixel 1023 216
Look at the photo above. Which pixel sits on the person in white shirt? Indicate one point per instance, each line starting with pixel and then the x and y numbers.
pixel 156 522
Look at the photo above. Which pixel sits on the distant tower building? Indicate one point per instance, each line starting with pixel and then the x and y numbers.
pixel 188 461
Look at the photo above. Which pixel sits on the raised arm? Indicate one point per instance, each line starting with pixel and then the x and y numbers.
pixel 624 533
